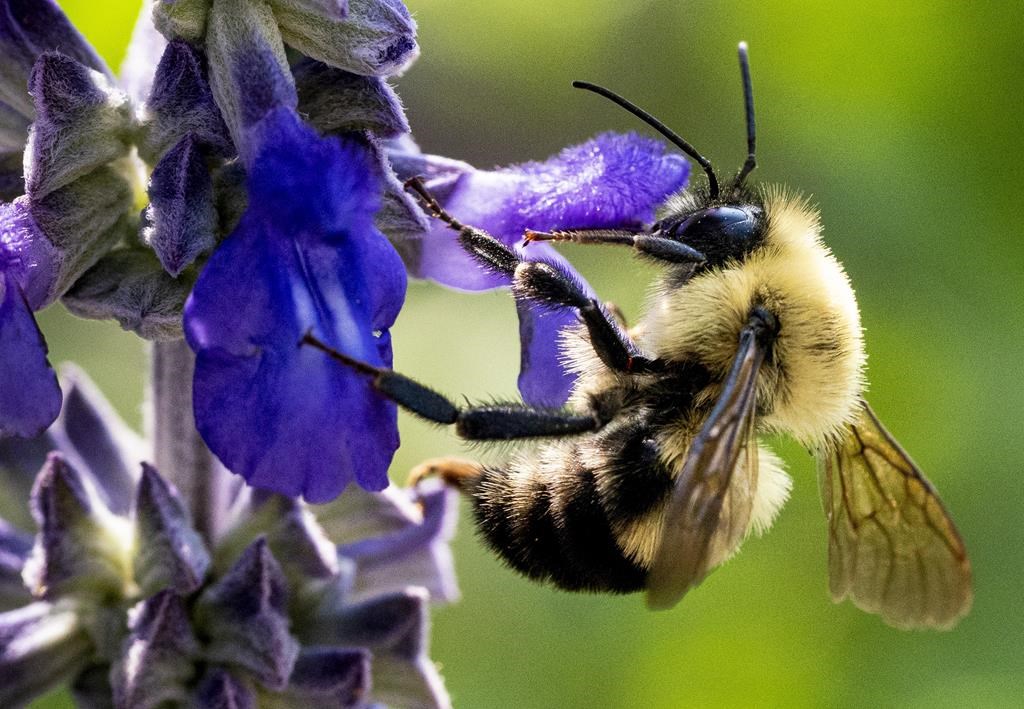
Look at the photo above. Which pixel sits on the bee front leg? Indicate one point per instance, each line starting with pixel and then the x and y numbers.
pixel 547 284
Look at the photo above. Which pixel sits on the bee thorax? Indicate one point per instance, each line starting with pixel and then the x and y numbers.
pixel 812 377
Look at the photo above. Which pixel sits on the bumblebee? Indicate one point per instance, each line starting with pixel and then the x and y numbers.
pixel 652 475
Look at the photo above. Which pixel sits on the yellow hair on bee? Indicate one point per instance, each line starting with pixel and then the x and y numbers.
pixel 639 539
pixel 810 386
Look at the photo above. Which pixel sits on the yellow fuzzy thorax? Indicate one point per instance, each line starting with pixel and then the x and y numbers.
pixel 811 385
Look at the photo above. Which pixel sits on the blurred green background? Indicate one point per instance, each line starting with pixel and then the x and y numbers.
pixel 903 122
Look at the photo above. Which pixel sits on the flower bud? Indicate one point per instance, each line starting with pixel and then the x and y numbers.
pixel 170 552
pixel 181 220
pixel 82 123
pixel 245 616
pixel 376 37
pixel 181 19
pixel 158 658
pixel 80 547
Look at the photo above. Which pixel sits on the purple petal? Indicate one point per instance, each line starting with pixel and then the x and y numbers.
pixel 305 257
pixel 181 103
pixel 26 253
pixel 171 553
pixel 27 29
pixel 182 219
pixel 40 647
pixel 544 379
pixel 416 554
pixel 328 676
pixel 219 690
pixel 612 181
pixel 158 658
pixel 29 393
pixel 245 616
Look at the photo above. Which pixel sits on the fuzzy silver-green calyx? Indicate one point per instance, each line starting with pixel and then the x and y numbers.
pixel 130 285
pixel 82 122
pixel 81 548
pixel 181 19
pixel 170 552
pixel 376 38
pixel 158 659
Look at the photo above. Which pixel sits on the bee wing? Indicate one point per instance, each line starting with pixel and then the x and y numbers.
pixel 708 512
pixel 892 548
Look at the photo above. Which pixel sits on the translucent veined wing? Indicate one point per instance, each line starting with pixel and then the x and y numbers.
pixel 708 512
pixel 893 549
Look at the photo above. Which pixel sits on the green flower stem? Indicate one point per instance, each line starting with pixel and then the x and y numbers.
pixel 179 452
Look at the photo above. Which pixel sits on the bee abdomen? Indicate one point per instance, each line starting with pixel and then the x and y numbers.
pixel 554 528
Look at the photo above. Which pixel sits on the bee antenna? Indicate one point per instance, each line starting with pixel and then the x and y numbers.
pixel 658 126
pixel 748 97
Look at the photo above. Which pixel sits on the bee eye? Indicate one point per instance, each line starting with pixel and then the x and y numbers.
pixel 727 231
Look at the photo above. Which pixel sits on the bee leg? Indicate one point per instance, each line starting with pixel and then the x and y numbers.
pixel 547 284
pixel 657 248
pixel 489 422
pixel 455 472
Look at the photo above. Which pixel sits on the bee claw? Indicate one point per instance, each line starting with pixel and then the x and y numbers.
pixel 529 236
pixel 456 472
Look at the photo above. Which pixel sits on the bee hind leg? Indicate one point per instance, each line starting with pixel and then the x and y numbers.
pixel 459 473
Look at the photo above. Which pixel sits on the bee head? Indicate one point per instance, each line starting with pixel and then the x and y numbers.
pixel 721 224
pixel 722 232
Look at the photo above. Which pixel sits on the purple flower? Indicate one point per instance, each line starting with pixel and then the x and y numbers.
pixel 29 393
pixel 118 595
pixel 610 182
pixel 306 256
pixel 38 260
